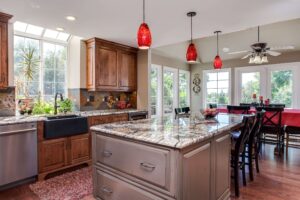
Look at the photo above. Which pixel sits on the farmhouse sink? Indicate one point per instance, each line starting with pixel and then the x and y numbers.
pixel 64 126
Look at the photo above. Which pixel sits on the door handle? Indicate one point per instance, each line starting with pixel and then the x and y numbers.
pixel 106 190
pixel 147 166
pixel 107 154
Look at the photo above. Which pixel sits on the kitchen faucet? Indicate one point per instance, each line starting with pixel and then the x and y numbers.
pixel 55 102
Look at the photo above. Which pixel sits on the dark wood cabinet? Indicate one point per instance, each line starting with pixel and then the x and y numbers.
pixel 4 49
pixel 53 154
pixel 111 66
pixel 80 150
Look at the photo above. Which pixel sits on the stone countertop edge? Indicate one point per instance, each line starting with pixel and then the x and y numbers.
pixel 31 118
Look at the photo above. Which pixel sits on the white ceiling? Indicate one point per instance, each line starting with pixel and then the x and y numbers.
pixel 276 35
pixel 118 20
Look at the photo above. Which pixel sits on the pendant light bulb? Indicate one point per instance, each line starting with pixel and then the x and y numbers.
pixel 218 61
pixel 191 54
pixel 144 34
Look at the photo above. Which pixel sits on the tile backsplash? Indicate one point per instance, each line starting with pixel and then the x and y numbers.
pixel 7 102
pixel 85 100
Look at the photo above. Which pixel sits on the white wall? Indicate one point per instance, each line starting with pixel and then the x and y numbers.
pixel 169 62
pixel 196 100
pixel 77 63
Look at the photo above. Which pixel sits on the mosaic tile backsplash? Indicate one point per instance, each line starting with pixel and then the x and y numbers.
pixel 7 102
pixel 85 100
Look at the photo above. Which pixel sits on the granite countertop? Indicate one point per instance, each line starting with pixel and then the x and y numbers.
pixel 36 118
pixel 169 132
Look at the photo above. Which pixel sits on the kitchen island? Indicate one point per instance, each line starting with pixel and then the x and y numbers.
pixel 163 158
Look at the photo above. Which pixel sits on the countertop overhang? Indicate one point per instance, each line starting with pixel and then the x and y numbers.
pixel 170 132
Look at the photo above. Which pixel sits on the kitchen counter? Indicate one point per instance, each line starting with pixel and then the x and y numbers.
pixel 169 132
pixel 36 118
pixel 163 158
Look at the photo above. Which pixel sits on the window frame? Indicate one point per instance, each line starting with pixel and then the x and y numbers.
pixel 159 90
pixel 265 78
pixel 204 84
pixel 41 52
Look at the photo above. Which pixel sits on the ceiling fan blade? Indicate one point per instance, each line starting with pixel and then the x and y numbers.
pixel 238 52
pixel 246 56
pixel 275 48
pixel 273 53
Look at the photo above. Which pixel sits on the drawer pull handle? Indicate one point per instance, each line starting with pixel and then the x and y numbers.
pixel 107 154
pixel 148 167
pixel 106 190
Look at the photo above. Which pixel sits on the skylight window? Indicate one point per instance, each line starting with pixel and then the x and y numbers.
pixel 63 36
pixel 40 31
pixel 35 30
pixel 50 34
pixel 20 26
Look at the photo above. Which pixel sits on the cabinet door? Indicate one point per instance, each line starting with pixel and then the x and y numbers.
pixel 222 167
pixel 52 154
pixel 196 173
pixel 3 55
pixel 127 71
pixel 106 69
pixel 80 150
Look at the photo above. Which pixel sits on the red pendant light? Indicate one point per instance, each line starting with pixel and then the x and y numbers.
pixel 218 61
pixel 144 33
pixel 191 54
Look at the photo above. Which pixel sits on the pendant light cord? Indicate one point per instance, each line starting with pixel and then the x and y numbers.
pixel 144 18
pixel 217 43
pixel 191 29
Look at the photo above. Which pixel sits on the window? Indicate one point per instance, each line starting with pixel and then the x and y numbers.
pixel 216 87
pixel 39 68
pixel 276 82
pixel 282 87
pixel 250 86
pixel 169 88
pixel 184 88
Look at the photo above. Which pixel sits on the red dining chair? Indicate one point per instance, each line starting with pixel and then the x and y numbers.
pixel 291 131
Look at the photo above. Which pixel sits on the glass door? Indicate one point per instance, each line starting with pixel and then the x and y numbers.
pixel 170 94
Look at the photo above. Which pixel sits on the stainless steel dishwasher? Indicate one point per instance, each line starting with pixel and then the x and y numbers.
pixel 18 153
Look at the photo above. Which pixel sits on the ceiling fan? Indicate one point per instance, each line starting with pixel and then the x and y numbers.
pixel 260 50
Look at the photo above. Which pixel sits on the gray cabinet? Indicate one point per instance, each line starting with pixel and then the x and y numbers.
pixel 197 173
pixel 132 169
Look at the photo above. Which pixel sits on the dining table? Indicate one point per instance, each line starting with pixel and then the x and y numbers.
pixel 290 116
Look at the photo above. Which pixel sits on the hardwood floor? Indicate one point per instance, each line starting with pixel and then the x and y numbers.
pixel 279 179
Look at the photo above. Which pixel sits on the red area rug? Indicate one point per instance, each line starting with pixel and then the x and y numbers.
pixel 69 186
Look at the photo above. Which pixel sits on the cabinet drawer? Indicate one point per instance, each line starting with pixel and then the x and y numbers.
pixel 144 162
pixel 111 188
pixel 108 119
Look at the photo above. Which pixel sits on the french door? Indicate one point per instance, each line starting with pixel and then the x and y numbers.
pixel 170 90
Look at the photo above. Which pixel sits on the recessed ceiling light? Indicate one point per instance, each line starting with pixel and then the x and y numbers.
pixel 60 29
pixel 71 18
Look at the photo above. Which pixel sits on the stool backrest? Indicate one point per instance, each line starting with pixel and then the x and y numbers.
pixel 272 117
pixel 238 109
pixel 245 133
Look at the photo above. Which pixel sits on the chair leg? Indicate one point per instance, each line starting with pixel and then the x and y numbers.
pixel 256 163
pixel 287 142
pixel 236 180
pixel 244 169
pixel 250 157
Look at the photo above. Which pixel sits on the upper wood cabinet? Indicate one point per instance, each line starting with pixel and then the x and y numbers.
pixel 4 49
pixel 111 66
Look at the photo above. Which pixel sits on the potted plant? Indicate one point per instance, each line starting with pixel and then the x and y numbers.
pixel 29 67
